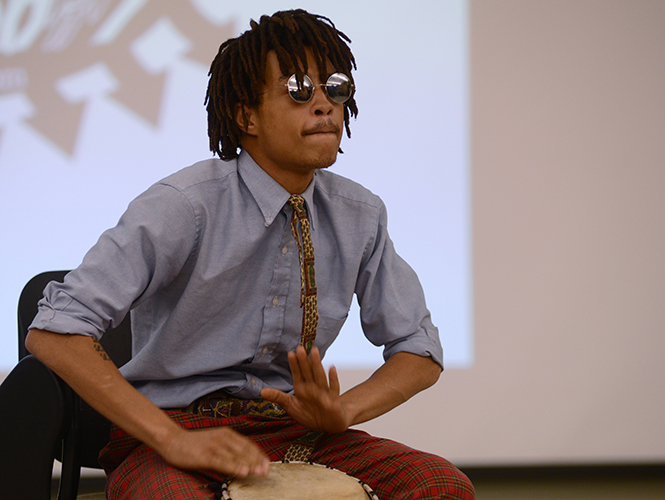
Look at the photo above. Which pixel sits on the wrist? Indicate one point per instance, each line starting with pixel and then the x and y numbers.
pixel 351 411
pixel 163 435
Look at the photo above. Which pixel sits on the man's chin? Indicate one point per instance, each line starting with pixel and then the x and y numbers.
pixel 324 157
pixel 327 161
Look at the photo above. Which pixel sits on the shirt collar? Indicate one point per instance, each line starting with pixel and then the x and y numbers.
pixel 308 195
pixel 268 194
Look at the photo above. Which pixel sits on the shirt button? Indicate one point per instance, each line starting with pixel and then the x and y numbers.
pixel 265 350
pixel 275 301
pixel 284 250
pixel 253 381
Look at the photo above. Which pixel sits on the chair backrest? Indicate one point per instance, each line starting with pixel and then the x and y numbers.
pixel 85 432
pixel 117 342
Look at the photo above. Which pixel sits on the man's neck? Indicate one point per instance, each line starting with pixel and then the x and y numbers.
pixel 295 180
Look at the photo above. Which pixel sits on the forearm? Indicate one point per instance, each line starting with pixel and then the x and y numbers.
pixel 396 381
pixel 82 363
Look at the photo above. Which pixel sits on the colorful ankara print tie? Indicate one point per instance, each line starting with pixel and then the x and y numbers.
pixel 310 316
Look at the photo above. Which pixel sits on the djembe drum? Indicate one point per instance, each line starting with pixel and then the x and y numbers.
pixel 298 481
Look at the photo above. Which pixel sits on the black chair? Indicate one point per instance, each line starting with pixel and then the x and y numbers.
pixel 42 418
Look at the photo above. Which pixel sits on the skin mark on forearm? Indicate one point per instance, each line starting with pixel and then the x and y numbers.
pixel 98 347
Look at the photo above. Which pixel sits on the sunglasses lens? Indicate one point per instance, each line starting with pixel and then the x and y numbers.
pixel 339 88
pixel 300 92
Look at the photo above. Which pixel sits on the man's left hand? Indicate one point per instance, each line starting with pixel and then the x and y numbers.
pixel 316 402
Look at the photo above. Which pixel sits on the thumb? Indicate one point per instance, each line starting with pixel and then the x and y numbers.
pixel 275 396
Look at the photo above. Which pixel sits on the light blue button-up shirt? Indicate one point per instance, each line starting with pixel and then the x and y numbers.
pixel 206 261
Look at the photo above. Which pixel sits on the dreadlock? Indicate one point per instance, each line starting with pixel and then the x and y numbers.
pixel 238 71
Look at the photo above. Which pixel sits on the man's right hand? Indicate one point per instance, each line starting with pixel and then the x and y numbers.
pixel 221 449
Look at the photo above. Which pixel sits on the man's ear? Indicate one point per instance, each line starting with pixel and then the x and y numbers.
pixel 246 119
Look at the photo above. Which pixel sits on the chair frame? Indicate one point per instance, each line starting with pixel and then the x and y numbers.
pixel 42 418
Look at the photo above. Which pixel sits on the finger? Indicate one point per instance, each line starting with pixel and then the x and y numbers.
pixel 247 468
pixel 304 364
pixel 249 459
pixel 252 465
pixel 242 471
pixel 262 469
pixel 318 371
pixel 334 381
pixel 294 366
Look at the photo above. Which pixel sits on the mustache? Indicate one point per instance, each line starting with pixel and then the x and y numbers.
pixel 323 126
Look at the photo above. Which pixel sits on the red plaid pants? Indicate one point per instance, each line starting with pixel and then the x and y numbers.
pixel 394 471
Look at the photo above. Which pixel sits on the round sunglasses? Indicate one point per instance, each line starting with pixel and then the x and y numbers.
pixel 338 88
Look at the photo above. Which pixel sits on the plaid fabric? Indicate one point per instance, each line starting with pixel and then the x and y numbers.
pixel 393 471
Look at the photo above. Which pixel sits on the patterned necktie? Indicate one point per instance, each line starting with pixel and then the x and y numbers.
pixel 310 316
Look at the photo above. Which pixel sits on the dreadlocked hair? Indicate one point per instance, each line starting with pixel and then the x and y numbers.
pixel 238 71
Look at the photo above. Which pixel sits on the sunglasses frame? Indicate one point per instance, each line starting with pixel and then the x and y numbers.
pixel 293 87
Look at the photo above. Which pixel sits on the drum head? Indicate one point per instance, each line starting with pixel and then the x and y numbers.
pixel 299 481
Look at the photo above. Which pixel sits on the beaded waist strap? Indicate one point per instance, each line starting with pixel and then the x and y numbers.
pixel 220 405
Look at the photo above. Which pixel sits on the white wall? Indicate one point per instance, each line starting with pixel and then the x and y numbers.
pixel 568 167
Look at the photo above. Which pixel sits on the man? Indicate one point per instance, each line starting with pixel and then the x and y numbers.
pixel 229 317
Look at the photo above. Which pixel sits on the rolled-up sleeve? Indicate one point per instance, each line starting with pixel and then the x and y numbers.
pixel 144 252
pixel 393 311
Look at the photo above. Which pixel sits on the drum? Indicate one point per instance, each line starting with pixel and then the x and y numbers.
pixel 298 481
